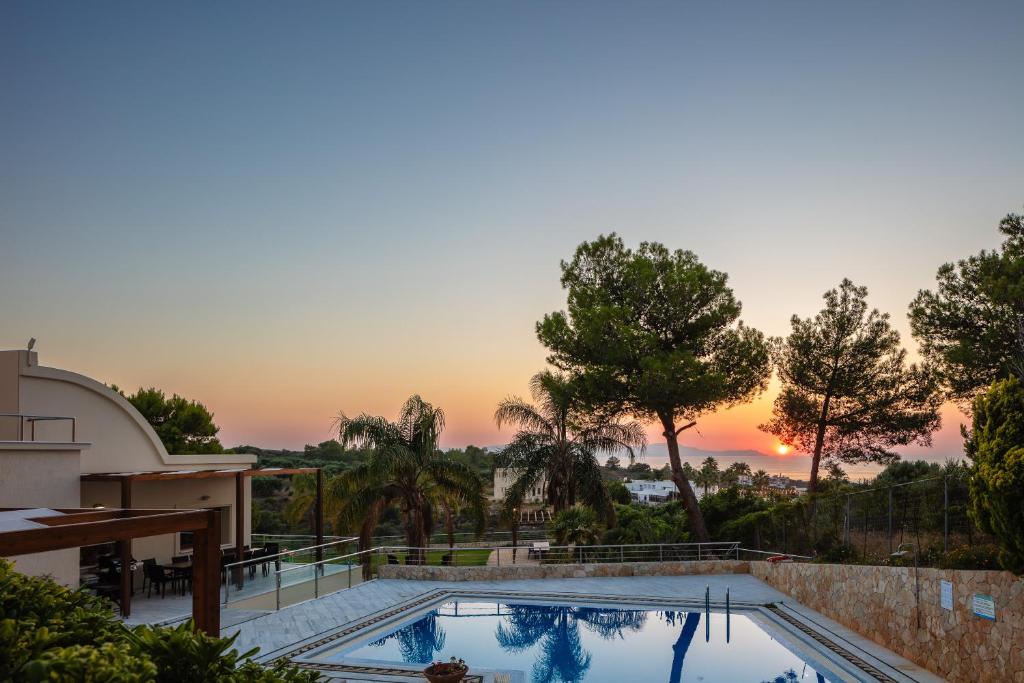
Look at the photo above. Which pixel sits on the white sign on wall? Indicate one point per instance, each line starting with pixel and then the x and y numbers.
pixel 984 606
pixel 946 595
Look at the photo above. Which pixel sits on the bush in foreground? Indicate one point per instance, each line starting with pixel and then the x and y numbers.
pixel 51 633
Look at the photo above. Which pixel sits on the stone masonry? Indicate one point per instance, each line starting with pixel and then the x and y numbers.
pixel 561 571
pixel 879 603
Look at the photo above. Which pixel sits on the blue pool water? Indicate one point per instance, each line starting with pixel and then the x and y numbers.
pixel 575 644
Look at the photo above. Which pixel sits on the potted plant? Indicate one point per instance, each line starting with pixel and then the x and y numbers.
pixel 451 671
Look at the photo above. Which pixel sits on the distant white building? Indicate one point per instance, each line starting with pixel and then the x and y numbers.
pixel 651 492
pixel 504 477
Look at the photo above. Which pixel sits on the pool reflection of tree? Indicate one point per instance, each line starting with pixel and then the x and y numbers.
pixel 556 628
pixel 418 641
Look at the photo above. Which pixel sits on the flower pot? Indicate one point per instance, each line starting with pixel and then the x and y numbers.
pixel 442 677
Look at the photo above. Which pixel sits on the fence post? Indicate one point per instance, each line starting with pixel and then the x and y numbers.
pixel 945 515
pixel 890 520
pixel 846 523
pixel 277 579
pixel 622 554
pixel 316 580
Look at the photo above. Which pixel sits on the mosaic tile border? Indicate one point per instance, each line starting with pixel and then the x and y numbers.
pixel 378 671
pixel 831 645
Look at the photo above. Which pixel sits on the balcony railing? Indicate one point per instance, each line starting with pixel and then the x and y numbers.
pixel 28 423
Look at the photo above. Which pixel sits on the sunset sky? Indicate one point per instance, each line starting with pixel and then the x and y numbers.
pixel 289 210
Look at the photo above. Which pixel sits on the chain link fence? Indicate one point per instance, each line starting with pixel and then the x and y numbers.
pixel 870 525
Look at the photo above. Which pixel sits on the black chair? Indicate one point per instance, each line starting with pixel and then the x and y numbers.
pixel 151 562
pixel 269 551
pixel 393 559
pixel 446 560
pixel 159 577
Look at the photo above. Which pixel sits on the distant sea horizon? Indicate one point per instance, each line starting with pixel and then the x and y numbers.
pixel 794 466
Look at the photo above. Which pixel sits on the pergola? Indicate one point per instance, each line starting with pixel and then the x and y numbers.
pixel 126 479
pixel 77 527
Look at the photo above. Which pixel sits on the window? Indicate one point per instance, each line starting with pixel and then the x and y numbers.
pixel 185 537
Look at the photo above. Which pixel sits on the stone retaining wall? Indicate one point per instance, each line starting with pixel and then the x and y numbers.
pixel 561 571
pixel 879 603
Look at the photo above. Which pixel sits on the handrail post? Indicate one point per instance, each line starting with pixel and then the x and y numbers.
pixel 316 580
pixel 227 587
pixel 277 579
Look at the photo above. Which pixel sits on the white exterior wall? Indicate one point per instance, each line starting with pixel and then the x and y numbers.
pixel 505 477
pixel 122 441
pixel 42 476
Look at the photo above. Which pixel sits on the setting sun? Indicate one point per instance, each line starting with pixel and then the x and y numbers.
pixel 782 449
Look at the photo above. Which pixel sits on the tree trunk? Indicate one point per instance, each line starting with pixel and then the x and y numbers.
pixel 682 483
pixel 819 442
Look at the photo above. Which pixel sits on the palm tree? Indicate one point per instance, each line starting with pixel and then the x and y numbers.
pixel 576 526
pixel 708 474
pixel 557 441
pixel 405 469
pixel 760 481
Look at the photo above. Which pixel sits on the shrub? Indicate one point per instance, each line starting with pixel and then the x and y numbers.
pixel 996 447
pixel 51 633
pixel 577 525
pixel 971 557
pixel 648 524
pixel 108 663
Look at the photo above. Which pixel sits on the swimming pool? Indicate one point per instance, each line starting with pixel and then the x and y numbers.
pixel 579 643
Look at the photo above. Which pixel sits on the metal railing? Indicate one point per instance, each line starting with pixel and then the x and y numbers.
pixel 353 567
pixel 239 568
pixel 31 421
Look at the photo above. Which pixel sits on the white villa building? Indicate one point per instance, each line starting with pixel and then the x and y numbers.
pixel 652 492
pixel 68 441
pixel 505 477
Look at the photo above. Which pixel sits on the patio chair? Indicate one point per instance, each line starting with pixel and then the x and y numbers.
pixel 150 562
pixel 159 577
pixel 393 559
pixel 269 551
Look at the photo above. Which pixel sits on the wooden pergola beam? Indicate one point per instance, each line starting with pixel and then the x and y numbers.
pixel 126 525
pixel 172 475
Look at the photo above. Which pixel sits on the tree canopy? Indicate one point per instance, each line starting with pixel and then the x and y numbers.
pixel 847 393
pixel 972 326
pixel 185 427
pixel 655 334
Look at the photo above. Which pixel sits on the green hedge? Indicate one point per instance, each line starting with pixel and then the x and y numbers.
pixel 51 633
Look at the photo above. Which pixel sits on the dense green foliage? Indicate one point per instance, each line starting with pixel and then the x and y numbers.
pixel 558 441
pixel 185 427
pixel 995 445
pixel 407 470
pixel 653 333
pixel 648 524
pixel 847 392
pixel 577 525
pixel 50 633
pixel 972 326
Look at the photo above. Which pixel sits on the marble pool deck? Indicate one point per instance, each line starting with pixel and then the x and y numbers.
pixel 296 629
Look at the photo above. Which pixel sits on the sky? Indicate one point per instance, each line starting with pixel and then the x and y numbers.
pixel 287 210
